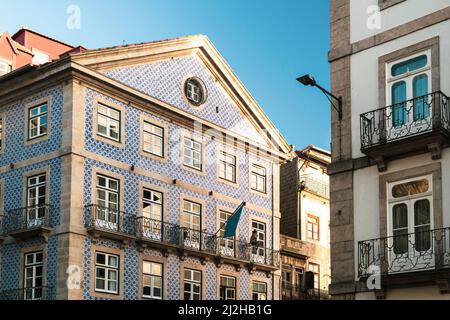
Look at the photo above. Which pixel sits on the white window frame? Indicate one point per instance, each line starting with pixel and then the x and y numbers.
pixel 227 166
pixel 36 199
pixel 259 294
pixel 109 119
pixel 228 290
pixel 191 149
pixel 33 266
pixel 194 91
pixel 261 237
pixel 407 77
pixel 227 245
pixel 192 284
pixel 107 267
pixel 152 276
pixel 258 178
pixel 150 132
pixel 2 133
pixel 111 215
pixel 39 117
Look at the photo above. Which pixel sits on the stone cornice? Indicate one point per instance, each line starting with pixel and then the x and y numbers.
pixel 389 35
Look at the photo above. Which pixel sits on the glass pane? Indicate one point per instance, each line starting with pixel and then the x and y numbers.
pixel 420 89
pixel 409 65
pixel 410 188
pixel 422 238
pixel 422 212
pixel 400 216
pixel 399 113
pixel 400 241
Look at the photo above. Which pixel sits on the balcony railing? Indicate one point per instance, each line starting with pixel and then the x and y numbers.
pixel 37 293
pixel 419 251
pixel 110 220
pixel 417 116
pixel 315 185
pixel 150 231
pixel 27 219
pixel 296 292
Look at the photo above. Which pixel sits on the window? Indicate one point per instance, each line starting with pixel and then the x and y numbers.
pixel 258 178
pixel 33 275
pixel 227 167
pixel 315 268
pixel 195 91
pixel 192 154
pixel 106 273
pixel 152 280
pixel 107 202
pixel 226 244
pixel 312 228
pixel 37 121
pixel 5 68
pixel 108 122
pixel 411 220
pixel 36 198
pixel 259 290
pixel 409 83
pixel 2 139
pixel 152 209
pixel 227 288
pixel 259 248
pixel 153 139
pixel 191 222
pixel 192 284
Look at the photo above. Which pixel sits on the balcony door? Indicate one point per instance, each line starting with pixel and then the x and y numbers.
pixel 107 211
pixel 152 205
pixel 410 243
pixel 191 223
pixel 408 83
pixel 36 198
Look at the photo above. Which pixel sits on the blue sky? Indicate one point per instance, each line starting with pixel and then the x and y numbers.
pixel 267 43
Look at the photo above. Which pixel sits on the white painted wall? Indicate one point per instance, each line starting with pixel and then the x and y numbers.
pixel 364 73
pixel 392 17
pixel 366 195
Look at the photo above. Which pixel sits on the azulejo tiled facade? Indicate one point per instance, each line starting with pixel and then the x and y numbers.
pixel 55 200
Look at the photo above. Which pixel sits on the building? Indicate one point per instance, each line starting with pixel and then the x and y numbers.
pixel 390 170
pixel 119 167
pixel 305 214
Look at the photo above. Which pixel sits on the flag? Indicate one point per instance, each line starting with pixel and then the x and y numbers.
pixel 233 221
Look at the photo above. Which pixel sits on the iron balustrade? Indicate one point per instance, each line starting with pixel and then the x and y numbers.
pixel 150 230
pixel 413 117
pixel 110 220
pixel 290 291
pixel 29 218
pixel 418 251
pixel 315 185
pixel 36 293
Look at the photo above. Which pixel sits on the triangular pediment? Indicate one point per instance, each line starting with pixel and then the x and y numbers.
pixel 160 68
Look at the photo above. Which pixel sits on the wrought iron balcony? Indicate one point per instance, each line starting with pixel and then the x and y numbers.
pixel 109 222
pixel 37 293
pixel 317 186
pixel 290 291
pixel 415 124
pixel 419 251
pixel 28 222
pixel 154 232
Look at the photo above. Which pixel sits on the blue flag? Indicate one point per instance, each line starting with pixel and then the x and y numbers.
pixel 232 222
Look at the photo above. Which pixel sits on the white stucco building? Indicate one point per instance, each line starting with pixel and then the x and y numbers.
pixel 390 171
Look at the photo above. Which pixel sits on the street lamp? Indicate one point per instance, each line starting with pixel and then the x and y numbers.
pixel 308 80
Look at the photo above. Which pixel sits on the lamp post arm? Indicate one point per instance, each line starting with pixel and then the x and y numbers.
pixel 338 99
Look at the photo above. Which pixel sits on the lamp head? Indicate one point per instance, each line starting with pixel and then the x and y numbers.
pixel 307 80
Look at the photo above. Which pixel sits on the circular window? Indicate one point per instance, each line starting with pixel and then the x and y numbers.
pixel 195 91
